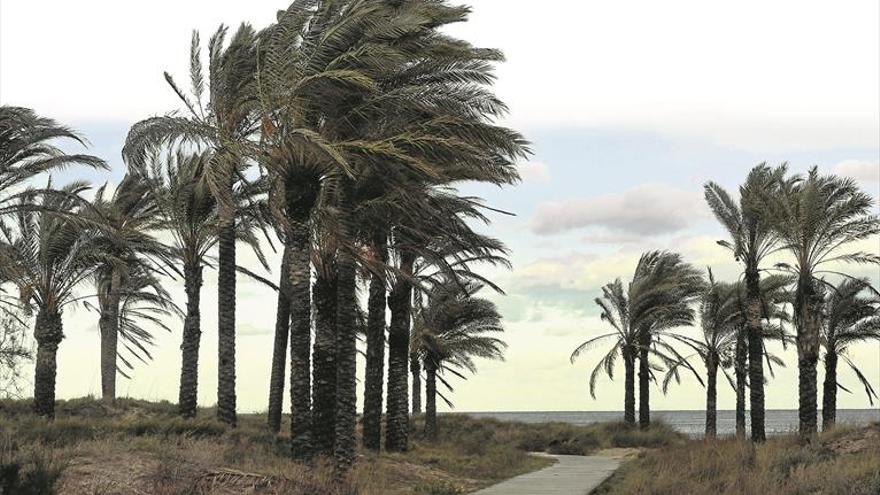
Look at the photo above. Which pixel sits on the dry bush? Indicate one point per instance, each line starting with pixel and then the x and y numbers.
pixel 841 462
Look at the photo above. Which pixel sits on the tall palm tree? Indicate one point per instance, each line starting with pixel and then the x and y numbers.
pixel 47 255
pixel 615 307
pixel 450 329
pixel 141 299
pixel 28 148
pixel 718 311
pixel 656 300
pixel 124 221
pixel 774 295
pixel 815 217
pixel 752 239
pixel 850 314
pixel 665 288
pixel 188 212
pixel 224 120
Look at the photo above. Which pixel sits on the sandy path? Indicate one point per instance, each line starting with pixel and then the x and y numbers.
pixel 571 475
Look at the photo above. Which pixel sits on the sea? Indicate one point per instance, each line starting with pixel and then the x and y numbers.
pixel 691 423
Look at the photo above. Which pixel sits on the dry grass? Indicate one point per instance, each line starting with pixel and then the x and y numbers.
pixel 141 447
pixel 137 447
pixel 843 461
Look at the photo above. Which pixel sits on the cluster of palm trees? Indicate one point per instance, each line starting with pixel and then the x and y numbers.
pixel 341 130
pixel 806 223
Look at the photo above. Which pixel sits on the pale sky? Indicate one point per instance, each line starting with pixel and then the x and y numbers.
pixel 631 106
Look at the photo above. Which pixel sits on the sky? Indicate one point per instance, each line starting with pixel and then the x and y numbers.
pixel 631 106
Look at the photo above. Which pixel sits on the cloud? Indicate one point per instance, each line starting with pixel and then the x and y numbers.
pixel 648 209
pixel 534 172
pixel 863 170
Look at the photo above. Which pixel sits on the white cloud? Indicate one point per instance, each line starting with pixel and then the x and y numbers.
pixel 648 209
pixel 534 172
pixel 863 170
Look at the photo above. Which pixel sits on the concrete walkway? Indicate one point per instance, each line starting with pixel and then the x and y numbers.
pixel 571 475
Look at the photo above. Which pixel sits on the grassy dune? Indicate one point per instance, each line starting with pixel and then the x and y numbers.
pixel 841 462
pixel 142 447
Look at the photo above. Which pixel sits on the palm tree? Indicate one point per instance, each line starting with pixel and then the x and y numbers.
pixel 774 295
pixel 376 326
pixel 141 299
pixel 27 149
pixel 719 315
pixel 450 329
pixel 752 238
pixel 374 58
pixel 47 255
pixel 815 217
pixel 655 301
pixel 665 288
pixel 188 212
pixel 224 120
pixel 123 221
pixel 851 314
pixel 615 306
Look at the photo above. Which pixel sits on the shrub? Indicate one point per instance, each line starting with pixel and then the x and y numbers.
pixel 31 471
pixel 438 488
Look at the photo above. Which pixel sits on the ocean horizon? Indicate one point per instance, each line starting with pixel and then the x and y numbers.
pixel 689 422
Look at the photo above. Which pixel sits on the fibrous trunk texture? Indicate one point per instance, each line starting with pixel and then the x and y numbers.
pixel 711 395
pixel 299 274
pixel 324 363
pixel 808 356
pixel 397 415
pixel 755 333
pixel 375 367
pixel 226 323
pixel 629 398
pixel 644 381
pixel 430 400
pixel 189 348
pixel 739 370
pixel 279 349
pixel 829 392
pixel 48 333
pixel 415 369
pixel 109 328
pixel 345 444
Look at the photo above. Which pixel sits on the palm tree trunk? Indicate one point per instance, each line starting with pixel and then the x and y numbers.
pixel 400 303
pixel 192 334
pixel 375 367
pixel 299 273
pixel 430 400
pixel 324 362
pixel 739 370
pixel 345 446
pixel 711 396
pixel 755 332
pixel 629 384
pixel 226 323
pixel 109 328
pixel 829 392
pixel 808 357
pixel 415 369
pixel 279 350
pixel 48 333
pixel 644 381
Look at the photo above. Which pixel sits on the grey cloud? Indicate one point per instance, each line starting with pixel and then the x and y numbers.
pixel 862 170
pixel 649 209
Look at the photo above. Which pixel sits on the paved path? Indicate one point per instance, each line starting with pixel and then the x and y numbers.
pixel 571 475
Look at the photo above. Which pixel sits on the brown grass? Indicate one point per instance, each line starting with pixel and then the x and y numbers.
pixel 843 461
pixel 137 447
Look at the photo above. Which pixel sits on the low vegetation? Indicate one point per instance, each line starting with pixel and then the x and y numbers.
pixel 843 461
pixel 134 446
